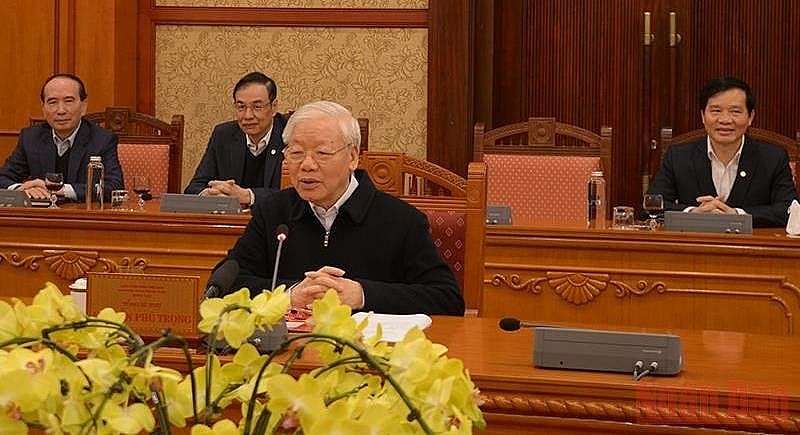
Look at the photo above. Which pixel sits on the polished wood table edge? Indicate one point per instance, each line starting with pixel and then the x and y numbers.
pixel 151 214
pixel 760 236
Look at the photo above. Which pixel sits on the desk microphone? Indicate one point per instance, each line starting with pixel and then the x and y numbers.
pixel 281 233
pixel 514 324
pixel 221 279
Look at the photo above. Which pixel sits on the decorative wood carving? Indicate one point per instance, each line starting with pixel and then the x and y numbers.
pixel 70 265
pixel 642 288
pixel 754 419
pixel 573 287
pixel 514 282
pixel 579 288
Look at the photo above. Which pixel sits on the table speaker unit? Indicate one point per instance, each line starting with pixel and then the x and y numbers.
pixel 180 203
pixel 607 351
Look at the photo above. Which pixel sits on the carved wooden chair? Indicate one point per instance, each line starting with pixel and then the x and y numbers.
pixel 792 146
pixel 455 206
pixel 147 146
pixel 540 168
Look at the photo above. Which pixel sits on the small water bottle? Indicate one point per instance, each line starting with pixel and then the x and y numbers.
pixel 95 178
pixel 596 216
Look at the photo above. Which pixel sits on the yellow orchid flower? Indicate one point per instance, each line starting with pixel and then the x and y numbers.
pixel 269 307
pixel 9 326
pixel 222 427
pixel 130 419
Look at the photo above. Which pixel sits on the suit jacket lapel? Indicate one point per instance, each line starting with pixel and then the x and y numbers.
pixel 47 153
pixel 748 164
pixel 701 169
pixel 77 152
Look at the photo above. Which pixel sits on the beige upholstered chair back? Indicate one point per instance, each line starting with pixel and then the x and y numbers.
pixel 147 146
pixel 540 168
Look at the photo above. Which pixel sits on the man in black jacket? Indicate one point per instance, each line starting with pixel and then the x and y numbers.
pixel 243 157
pixel 374 249
pixel 62 144
pixel 727 172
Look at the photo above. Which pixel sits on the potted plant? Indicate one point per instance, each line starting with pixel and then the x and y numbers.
pixel 65 372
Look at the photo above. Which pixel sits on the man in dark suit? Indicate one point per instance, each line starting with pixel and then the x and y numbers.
pixel 243 157
pixel 728 172
pixel 338 223
pixel 62 144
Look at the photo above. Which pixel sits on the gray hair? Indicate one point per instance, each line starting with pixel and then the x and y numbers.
pixel 348 125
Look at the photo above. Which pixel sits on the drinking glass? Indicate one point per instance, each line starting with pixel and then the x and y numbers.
pixel 623 217
pixel 119 200
pixel 141 185
pixel 54 182
pixel 653 204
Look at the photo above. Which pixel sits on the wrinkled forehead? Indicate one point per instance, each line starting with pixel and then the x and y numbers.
pixel 733 97
pixel 316 132
pixel 61 87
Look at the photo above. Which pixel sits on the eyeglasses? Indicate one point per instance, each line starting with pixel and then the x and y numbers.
pixel 257 107
pixel 321 157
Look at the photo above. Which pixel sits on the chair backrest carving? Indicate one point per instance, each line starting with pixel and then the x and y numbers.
pixel 147 146
pixel 540 167
pixel 792 146
pixel 455 206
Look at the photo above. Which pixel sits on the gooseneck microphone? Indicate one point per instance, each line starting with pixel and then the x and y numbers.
pixel 222 279
pixel 281 233
pixel 514 324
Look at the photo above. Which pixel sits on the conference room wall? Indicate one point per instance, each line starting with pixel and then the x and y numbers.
pixel 87 37
pixel 112 45
pixel 418 4
pixel 380 74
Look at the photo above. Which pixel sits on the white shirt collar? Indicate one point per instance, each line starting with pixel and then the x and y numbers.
pixel 66 144
pixel 258 148
pixel 326 217
pixel 712 155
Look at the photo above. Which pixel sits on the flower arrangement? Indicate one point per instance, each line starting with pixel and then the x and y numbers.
pixel 67 373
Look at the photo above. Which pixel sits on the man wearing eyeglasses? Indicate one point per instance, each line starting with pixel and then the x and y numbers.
pixel 374 249
pixel 243 157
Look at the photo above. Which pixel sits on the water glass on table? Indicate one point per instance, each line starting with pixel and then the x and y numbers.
pixel 119 200
pixel 623 217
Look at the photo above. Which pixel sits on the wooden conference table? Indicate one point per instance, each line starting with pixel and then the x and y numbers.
pixel 731 381
pixel 60 245
pixel 746 283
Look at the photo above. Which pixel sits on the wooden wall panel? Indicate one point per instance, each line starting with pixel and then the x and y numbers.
pixel 449 25
pixel 106 51
pixel 450 85
pixel 28 48
pixel 753 40
pixel 583 62
pixel 579 61
pixel 86 37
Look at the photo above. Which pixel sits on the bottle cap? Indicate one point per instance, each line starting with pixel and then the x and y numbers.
pixel 95 159
pixel 597 173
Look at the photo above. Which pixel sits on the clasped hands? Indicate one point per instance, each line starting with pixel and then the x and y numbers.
pixel 711 204
pixel 316 283
pixel 227 188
